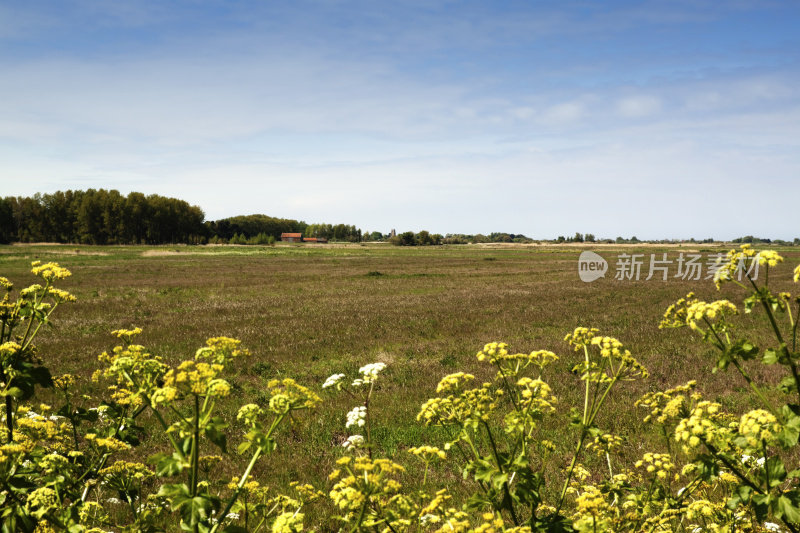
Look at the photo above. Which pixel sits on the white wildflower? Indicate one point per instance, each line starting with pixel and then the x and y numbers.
pixel 369 373
pixel 357 417
pixel 772 526
pixel 353 441
pixel 333 381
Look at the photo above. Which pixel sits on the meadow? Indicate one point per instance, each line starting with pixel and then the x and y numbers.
pixel 307 312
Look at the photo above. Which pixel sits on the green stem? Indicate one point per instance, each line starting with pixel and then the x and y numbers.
pixel 572 465
pixel 367 419
pixel 757 390
pixel 360 515
pixel 158 416
pixel 793 321
pixel 245 475
pixel 506 492
pixel 195 446
pixel 9 409
pixel 586 394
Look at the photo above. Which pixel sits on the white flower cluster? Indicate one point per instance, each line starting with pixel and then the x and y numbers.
pixel 333 380
pixel 357 417
pixel 353 441
pixel 369 373
pixel 747 459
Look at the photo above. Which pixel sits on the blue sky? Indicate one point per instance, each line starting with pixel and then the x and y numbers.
pixel 656 119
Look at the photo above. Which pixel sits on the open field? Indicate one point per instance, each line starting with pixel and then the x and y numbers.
pixel 307 312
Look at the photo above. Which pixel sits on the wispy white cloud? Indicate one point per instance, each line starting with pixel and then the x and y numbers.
pixel 420 121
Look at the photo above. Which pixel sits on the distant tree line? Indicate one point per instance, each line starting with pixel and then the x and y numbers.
pixel 425 238
pixel 479 238
pixel 107 217
pixel 245 229
pixel 100 217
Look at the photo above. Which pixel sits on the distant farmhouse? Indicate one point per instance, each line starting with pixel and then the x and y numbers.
pixel 298 237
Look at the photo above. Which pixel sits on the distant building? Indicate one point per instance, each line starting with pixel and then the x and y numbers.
pixel 292 237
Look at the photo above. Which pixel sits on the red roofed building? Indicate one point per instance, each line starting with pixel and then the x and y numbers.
pixel 292 237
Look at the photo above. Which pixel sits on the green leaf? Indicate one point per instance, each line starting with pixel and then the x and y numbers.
pixel 770 357
pixel 168 465
pixel 761 506
pixel 741 496
pixel 174 490
pixel 777 472
pixel 787 508
pixel 214 432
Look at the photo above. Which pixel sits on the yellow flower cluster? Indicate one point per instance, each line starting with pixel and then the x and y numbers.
pixel 60 295
pixel 796 277
pixel 64 381
pixel 220 350
pixel 702 425
pixel 428 453
pixel 622 363
pixel 581 337
pixel 250 490
pixel 454 521
pixel 191 377
pixel 37 429
pixel 769 258
pixel 6 284
pixel 699 310
pixel 689 311
pixel 735 259
pixel 497 353
pixel 604 443
pixel 49 271
pixel 9 349
pixel 453 382
pixel 127 334
pixel 659 464
pixel 428 513
pixel 592 511
pixel 536 394
pixel 288 522
pixel 106 444
pixel 92 512
pixel 42 500
pixel 759 426
pixel 293 394
pixel 125 470
pixel 472 404
pixel 134 370
pixel 368 480
pixel 493 351
pixel 249 413
pixel 702 509
pixel 668 405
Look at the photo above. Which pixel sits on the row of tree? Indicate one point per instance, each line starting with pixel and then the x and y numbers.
pixel 100 217
pixel 107 217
